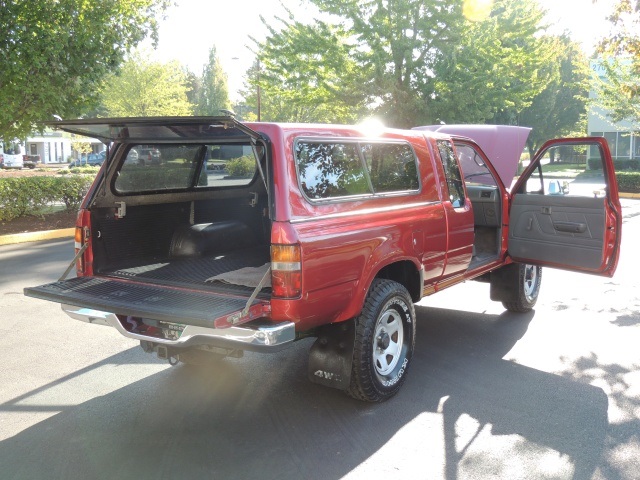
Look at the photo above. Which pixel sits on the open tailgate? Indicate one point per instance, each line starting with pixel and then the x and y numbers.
pixel 169 304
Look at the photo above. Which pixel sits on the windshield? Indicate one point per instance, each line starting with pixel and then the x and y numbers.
pixel 13 148
pixel 474 169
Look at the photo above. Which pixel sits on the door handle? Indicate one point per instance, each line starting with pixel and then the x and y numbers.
pixel 570 227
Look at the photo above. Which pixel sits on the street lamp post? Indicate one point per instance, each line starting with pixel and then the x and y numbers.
pixel 259 91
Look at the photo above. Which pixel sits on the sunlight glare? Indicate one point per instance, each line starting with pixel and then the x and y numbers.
pixel 371 127
pixel 477 10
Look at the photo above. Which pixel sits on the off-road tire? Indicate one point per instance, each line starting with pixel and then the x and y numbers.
pixel 384 342
pixel 529 278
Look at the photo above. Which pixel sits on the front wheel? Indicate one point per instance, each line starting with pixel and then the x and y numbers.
pixel 527 285
pixel 385 338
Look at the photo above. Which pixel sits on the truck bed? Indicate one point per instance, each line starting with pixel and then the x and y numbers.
pixel 174 290
pixel 195 271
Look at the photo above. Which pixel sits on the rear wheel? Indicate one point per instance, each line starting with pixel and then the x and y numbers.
pixel 385 338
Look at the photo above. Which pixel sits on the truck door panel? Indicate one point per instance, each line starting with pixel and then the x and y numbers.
pixel 568 231
pixel 572 223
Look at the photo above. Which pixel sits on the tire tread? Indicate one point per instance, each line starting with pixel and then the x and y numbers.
pixel 362 386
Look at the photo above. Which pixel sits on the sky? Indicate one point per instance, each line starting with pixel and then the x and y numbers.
pixel 191 27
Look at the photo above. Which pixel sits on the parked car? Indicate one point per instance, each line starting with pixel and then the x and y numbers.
pixel 31 161
pixel 92 160
pixel 148 156
pixel 335 236
pixel 132 157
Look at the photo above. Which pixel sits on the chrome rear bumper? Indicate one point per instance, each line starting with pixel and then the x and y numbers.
pixel 255 336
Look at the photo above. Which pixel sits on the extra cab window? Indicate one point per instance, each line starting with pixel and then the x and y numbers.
pixel 335 169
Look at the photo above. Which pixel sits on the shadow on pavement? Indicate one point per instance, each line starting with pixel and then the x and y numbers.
pixel 259 417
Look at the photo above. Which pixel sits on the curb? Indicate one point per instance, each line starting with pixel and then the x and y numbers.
pixel 70 232
pixel 37 236
pixel 629 195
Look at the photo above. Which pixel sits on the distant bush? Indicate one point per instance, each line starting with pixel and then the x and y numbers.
pixel 241 167
pixel 84 169
pixel 628 182
pixel 27 195
pixel 618 163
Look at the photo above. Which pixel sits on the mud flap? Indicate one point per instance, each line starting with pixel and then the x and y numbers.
pixel 331 355
pixel 504 283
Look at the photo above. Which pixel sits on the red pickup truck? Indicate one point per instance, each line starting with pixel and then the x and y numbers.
pixel 322 230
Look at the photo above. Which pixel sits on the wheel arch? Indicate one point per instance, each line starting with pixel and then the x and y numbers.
pixel 406 273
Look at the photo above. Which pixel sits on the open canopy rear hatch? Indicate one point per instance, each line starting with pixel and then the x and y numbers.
pixel 156 225
pixel 155 128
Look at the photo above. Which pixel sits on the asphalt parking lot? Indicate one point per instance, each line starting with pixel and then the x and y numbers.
pixel 551 394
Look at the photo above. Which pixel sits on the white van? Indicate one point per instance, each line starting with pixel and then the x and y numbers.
pixel 12 155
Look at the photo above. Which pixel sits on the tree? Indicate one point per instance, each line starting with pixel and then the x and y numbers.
pixel 194 84
pixel 495 69
pixel 213 93
pixel 619 91
pixel 305 73
pixel 560 109
pixel 396 44
pixel 81 147
pixel 54 55
pixel 144 88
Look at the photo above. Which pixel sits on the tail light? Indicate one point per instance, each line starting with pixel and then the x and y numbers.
pixel 286 271
pixel 84 265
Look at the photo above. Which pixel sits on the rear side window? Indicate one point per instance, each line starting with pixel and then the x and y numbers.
pixel 350 168
pixel 153 168
pixel 330 170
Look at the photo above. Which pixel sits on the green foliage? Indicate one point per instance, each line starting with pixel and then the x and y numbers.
pixel 84 169
pixel 306 73
pixel 620 164
pixel 81 147
pixel 410 63
pixel 27 195
pixel 174 174
pixel 560 109
pixel 628 182
pixel 213 93
pixel 241 167
pixel 495 69
pixel 143 88
pixel 618 90
pixel 55 54
pixel 396 46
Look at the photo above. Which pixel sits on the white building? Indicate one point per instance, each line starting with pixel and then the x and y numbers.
pixel 55 147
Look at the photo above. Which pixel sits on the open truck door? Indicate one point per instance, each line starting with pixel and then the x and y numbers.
pixel 573 221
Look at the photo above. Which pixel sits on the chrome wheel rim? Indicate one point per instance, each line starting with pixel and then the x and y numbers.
pixel 530 281
pixel 387 342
